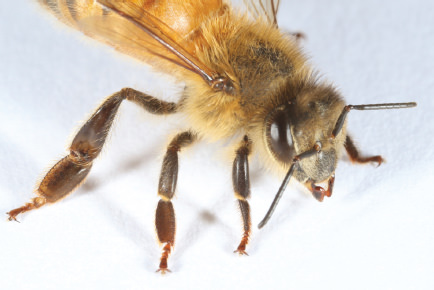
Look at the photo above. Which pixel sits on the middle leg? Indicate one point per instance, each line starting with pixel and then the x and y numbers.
pixel 165 214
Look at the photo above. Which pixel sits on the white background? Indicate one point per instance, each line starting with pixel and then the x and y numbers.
pixel 376 232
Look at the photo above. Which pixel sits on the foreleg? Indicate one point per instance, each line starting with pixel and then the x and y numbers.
pixel 241 184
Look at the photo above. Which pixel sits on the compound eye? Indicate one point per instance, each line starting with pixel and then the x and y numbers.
pixel 278 136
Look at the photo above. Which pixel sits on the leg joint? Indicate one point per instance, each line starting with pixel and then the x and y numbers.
pixel 83 153
pixel 181 140
pixel 127 93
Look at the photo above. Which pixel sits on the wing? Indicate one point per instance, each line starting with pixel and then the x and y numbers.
pixel 264 8
pixel 148 30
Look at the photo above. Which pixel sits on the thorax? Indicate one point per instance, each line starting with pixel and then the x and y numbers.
pixel 255 56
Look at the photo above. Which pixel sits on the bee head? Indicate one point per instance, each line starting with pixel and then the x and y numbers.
pixel 305 117
pixel 305 132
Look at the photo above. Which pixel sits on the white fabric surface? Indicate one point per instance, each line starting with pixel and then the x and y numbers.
pixel 376 232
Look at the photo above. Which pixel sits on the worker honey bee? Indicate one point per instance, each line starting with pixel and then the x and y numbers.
pixel 243 77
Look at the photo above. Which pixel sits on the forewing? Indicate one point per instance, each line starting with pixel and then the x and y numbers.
pixel 170 40
pixel 147 30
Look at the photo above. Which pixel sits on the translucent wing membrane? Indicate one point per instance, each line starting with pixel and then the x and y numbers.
pixel 264 8
pixel 144 29
pixel 166 42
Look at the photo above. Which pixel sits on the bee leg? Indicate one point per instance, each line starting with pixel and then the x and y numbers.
pixel 165 214
pixel 299 36
pixel 319 192
pixel 70 171
pixel 241 184
pixel 355 156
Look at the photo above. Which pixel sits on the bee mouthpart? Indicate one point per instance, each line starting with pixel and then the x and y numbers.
pixel 318 189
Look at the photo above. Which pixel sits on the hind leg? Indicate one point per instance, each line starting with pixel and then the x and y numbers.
pixel 71 171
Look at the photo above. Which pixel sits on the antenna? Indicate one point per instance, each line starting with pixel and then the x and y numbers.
pixel 385 106
pixel 315 149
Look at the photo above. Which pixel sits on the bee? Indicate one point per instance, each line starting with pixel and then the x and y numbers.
pixel 244 78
